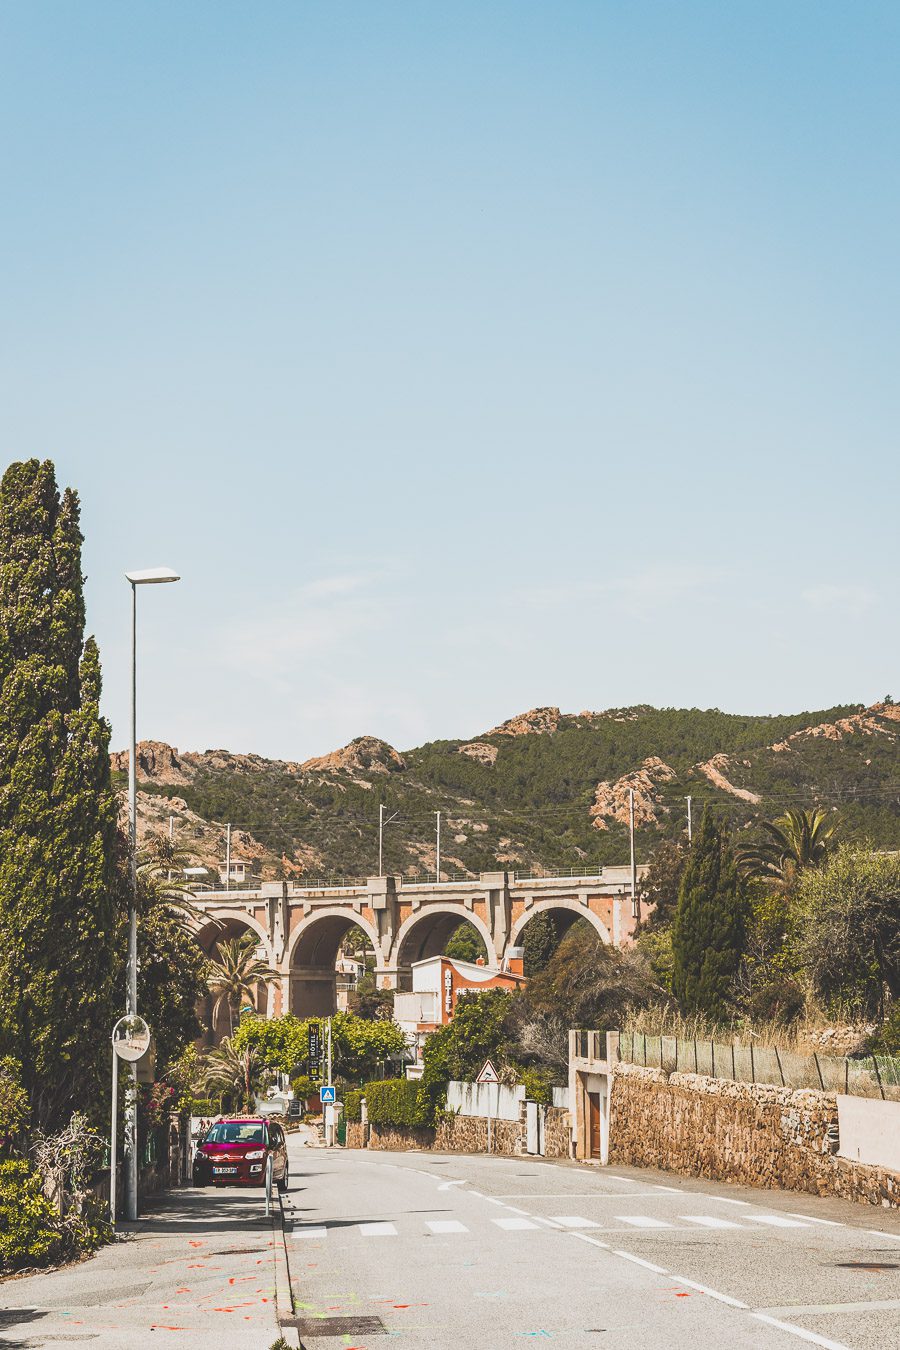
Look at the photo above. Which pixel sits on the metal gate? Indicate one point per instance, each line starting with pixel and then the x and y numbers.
pixel 534 1127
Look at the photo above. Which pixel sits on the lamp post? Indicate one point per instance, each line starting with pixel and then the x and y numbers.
pixel 153 576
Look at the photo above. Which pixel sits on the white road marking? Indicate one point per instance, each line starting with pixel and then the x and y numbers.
pixel 873 1232
pixel 377 1229
pixel 708 1221
pixel 446 1226
pixel 648 1265
pixel 551 1223
pixel 309 1233
pixel 801 1332
pixel 642 1221
pixel 445 1186
pixel 727 1200
pixel 514 1225
pixel 776 1221
pixel 832 1223
pixel 595 1242
pixel 518 1211
pixel 573 1221
pixel 492 1200
pixel 713 1293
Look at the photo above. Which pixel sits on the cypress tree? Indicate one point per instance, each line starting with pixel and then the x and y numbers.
pixel 539 941
pixel 708 930
pixel 57 809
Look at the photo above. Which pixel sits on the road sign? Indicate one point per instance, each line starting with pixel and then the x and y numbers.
pixel 327 1094
pixel 131 1038
pixel 313 1043
pixel 488 1074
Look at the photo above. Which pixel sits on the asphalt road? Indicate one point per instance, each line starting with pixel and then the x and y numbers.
pixel 439 1250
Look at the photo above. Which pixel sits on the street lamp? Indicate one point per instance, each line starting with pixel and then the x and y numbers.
pixel 153 576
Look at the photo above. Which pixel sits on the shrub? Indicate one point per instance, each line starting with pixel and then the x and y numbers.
pixel 538 1085
pixel 30 1229
pixel 13 1100
pixel 352 1103
pixel 304 1087
pixel 781 1000
pixel 398 1101
pixel 887 1038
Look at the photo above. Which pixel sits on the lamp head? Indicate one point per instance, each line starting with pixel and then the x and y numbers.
pixel 152 576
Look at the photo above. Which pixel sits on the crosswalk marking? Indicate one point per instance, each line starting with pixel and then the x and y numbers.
pixel 573 1221
pixel 707 1221
pixel 514 1225
pixel 776 1220
pixel 446 1226
pixel 642 1221
pixel 378 1230
pixel 309 1232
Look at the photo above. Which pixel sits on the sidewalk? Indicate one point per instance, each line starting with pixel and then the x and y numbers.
pixel 199 1269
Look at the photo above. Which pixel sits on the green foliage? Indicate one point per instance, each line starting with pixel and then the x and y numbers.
pixel 798 839
pixel 359 1046
pixel 538 1085
pixel 655 945
pixel 304 1087
pixel 398 1101
pixel 58 963
pixel 850 938
pixel 709 927
pixel 171 980
pixel 235 973
pixel 540 939
pixel 30 1233
pixel 353 1103
pixel 233 1072
pixel 14 1109
pixel 887 1039
pixel 465 943
pixel 477 1032
pixel 589 984
pixel 661 883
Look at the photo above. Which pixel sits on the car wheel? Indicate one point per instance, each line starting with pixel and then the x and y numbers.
pixel 283 1181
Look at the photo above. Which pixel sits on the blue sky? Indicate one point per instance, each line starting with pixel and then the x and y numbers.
pixel 463 358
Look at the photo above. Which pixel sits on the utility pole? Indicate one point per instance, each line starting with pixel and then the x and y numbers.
pixel 635 903
pixel 228 857
pixel 437 854
pixel 329 1107
pixel 690 821
pixel 382 821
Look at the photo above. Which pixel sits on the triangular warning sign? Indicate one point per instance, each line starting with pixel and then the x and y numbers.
pixel 488 1074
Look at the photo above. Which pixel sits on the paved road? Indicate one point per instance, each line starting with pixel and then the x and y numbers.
pixel 198 1271
pixel 443 1249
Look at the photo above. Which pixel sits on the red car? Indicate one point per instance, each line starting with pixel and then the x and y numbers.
pixel 234 1152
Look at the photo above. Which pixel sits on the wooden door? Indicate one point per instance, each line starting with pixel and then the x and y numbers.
pixel 594 1123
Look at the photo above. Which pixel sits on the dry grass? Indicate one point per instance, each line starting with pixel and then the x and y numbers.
pixel 802 1036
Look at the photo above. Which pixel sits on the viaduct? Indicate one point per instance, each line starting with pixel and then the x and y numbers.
pixel 300 929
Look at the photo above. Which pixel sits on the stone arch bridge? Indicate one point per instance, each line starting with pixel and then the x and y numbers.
pixel 300 929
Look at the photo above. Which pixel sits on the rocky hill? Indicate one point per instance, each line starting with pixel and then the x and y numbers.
pixel 543 791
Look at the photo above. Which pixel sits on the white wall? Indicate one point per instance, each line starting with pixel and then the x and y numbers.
pixel 481 1099
pixel 870 1131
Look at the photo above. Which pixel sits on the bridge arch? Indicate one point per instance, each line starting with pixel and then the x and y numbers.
pixel 572 909
pixel 426 932
pixel 211 927
pixel 311 957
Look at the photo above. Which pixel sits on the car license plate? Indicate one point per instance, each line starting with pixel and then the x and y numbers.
pixel 224 1171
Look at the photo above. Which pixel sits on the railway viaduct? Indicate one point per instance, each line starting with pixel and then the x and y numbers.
pixel 300 929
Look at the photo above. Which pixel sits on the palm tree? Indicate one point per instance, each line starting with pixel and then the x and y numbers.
pixel 231 1071
pixel 161 880
pixel 235 973
pixel 798 839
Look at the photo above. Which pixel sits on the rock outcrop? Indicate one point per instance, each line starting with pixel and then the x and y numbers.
pixel 537 722
pixel 611 800
pixel 367 754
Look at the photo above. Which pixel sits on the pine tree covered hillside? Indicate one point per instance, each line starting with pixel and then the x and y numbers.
pixel 543 792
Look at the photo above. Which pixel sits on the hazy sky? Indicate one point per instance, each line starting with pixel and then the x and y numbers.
pixel 462 357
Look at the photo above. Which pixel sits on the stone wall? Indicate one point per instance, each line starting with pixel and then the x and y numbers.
pixel 356 1134
pixel 742 1132
pixel 398 1137
pixel 557 1133
pixel 468 1134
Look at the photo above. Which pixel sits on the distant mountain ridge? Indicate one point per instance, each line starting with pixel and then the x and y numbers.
pixel 543 791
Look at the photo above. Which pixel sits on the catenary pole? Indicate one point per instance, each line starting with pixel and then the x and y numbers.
pixel 690 820
pixel 635 904
pixel 228 857
pixel 437 856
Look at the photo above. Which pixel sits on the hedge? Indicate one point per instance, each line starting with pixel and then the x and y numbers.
pixel 352 1102
pixel 398 1101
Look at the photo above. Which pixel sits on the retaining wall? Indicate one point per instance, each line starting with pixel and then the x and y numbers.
pixel 740 1132
pixel 469 1134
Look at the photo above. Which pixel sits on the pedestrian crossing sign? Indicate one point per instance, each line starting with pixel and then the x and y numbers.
pixel 326 1094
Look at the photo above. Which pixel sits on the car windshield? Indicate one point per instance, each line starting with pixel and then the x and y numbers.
pixel 235 1132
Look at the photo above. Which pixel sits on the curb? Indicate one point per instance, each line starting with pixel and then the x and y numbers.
pixel 284 1302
